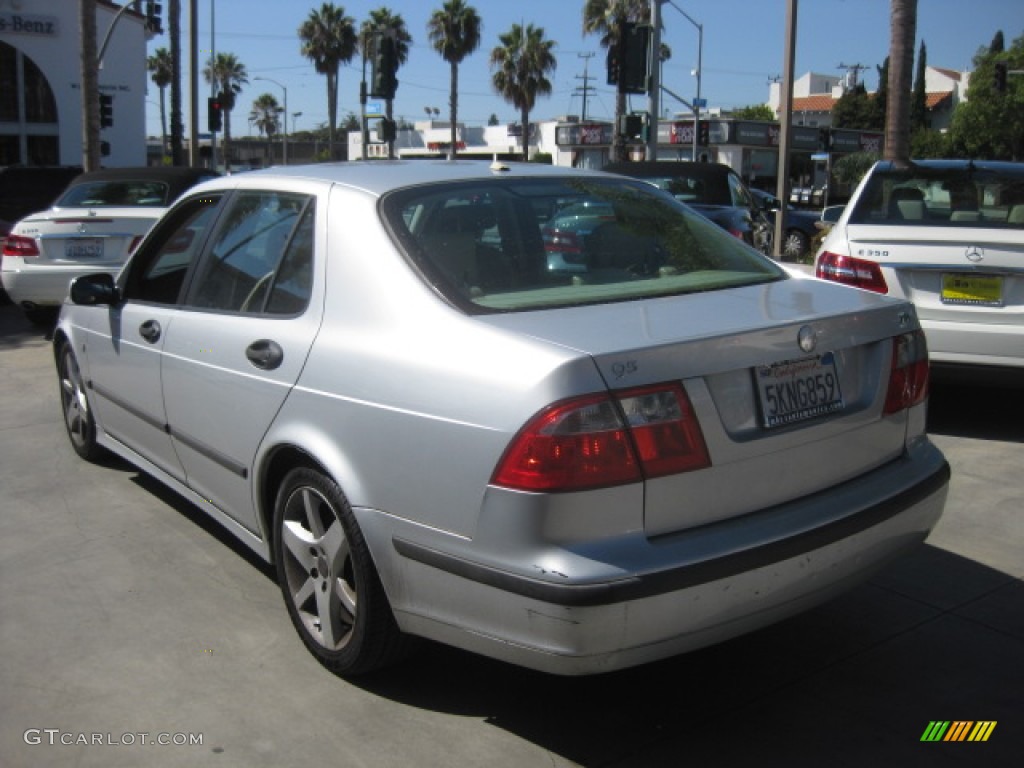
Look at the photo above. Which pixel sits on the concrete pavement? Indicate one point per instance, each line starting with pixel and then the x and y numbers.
pixel 123 612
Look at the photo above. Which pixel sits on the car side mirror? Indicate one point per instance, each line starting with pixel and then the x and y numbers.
pixel 91 290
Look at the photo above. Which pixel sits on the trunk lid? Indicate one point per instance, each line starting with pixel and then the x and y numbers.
pixel 720 345
pixel 972 275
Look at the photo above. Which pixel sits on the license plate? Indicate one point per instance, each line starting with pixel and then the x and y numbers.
pixel 795 390
pixel 83 248
pixel 978 290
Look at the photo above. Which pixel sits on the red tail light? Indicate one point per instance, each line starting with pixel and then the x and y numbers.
pixel 17 245
pixel 908 381
pixel 562 242
pixel 602 440
pixel 850 271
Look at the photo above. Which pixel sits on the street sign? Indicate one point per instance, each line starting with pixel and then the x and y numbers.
pixel 375 109
pixel 820 156
pixel 700 103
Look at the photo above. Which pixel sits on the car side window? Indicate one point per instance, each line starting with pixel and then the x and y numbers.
pixel 263 234
pixel 159 274
pixel 293 282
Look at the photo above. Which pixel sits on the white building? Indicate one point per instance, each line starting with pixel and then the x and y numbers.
pixel 814 96
pixel 40 83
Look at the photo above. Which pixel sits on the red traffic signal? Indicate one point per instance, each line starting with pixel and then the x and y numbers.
pixel 214 110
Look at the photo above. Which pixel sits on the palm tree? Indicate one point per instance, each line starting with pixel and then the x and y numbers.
pixel 227 74
pixel 902 30
pixel 329 40
pixel 523 61
pixel 384 21
pixel 265 115
pixel 159 67
pixel 454 31
pixel 605 18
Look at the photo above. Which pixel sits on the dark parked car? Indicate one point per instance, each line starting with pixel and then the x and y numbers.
pixel 712 189
pixel 801 226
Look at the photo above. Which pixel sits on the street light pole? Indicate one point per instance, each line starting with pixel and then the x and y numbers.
pixel 700 66
pixel 284 135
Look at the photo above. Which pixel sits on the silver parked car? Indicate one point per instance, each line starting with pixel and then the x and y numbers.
pixel 368 374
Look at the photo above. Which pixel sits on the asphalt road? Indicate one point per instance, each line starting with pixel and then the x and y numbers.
pixel 127 619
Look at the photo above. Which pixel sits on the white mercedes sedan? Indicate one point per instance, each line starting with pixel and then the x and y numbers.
pixel 371 376
pixel 92 226
pixel 947 235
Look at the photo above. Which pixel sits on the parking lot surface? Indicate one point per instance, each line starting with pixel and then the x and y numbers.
pixel 135 632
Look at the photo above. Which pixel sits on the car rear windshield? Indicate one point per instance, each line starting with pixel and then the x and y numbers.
pixel 121 194
pixel 960 196
pixel 508 244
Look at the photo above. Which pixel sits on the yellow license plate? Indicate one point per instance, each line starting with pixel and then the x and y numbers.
pixel 980 290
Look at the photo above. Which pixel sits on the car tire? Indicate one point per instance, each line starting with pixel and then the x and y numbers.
pixel 74 402
pixel 795 245
pixel 332 590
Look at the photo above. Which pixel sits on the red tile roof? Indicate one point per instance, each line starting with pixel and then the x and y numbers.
pixel 821 102
pixel 939 99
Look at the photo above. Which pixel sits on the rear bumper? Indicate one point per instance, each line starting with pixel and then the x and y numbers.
pixel 975 344
pixel 675 593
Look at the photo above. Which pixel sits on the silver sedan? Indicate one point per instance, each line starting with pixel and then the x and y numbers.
pixel 369 375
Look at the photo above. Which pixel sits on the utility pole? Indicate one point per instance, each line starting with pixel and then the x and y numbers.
pixel 854 71
pixel 585 89
pixel 90 86
pixel 654 84
pixel 785 123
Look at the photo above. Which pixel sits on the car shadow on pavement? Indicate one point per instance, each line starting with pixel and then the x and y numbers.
pixel 191 512
pixel 854 682
pixel 16 330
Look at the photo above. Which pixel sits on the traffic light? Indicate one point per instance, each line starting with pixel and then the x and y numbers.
pixel 106 110
pixel 824 139
pixel 387 130
pixel 627 58
pixel 214 109
pixel 153 13
pixel 631 126
pixel 703 133
pixel 1000 77
pixel 383 82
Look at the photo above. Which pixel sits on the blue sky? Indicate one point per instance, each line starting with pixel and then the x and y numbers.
pixel 743 50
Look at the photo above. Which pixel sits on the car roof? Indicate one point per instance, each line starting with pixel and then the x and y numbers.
pixel 1002 166
pixel 177 178
pixel 645 168
pixel 157 172
pixel 378 177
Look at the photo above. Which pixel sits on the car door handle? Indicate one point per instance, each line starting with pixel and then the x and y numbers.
pixel 265 354
pixel 150 331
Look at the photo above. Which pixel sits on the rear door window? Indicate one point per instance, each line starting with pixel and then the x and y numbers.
pixel 260 259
